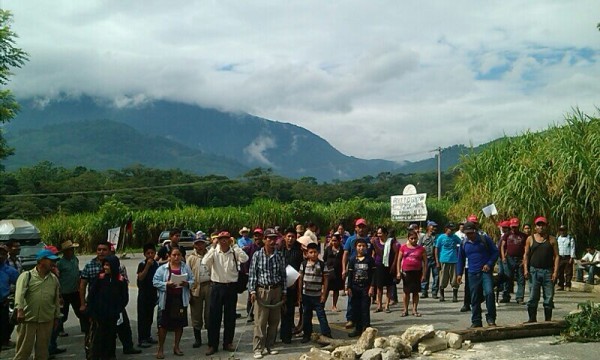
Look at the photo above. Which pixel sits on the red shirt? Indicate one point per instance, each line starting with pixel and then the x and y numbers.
pixel 514 244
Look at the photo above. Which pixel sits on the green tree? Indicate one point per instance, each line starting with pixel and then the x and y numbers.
pixel 10 57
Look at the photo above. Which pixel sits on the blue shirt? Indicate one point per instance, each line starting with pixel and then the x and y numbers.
pixel 447 248
pixel 478 255
pixel 349 246
pixel 244 241
pixel 8 276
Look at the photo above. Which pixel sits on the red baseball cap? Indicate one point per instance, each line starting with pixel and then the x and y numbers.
pixel 540 219
pixel 504 224
pixel 472 218
pixel 514 222
pixel 258 230
pixel 360 221
pixel 224 234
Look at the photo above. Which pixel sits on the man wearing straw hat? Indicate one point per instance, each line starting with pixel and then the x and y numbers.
pixel 244 239
pixel 68 267
pixel 268 290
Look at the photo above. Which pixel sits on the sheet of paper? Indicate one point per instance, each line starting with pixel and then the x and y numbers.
pixel 178 279
pixel 292 275
pixel 490 210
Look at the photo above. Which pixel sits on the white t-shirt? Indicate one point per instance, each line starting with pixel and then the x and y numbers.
pixel 592 257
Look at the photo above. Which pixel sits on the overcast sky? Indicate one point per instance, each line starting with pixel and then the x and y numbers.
pixel 377 79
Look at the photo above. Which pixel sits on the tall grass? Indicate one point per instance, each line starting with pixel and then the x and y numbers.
pixel 147 224
pixel 555 173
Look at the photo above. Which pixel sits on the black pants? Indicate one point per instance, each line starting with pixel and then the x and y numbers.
pixel 73 300
pixel 223 299
pixel 123 330
pixel 467 298
pixel 102 339
pixel 287 317
pixel 145 315
pixel 361 303
pixel 4 323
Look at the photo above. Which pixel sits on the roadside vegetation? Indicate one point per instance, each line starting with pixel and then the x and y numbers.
pixel 554 173
pixel 86 228
pixel 583 325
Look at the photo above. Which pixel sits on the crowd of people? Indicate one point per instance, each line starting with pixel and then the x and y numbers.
pixel 208 278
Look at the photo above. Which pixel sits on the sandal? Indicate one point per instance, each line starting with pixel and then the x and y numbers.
pixel 417 314
pixel 378 310
pixel 387 310
pixel 405 313
pixel 160 356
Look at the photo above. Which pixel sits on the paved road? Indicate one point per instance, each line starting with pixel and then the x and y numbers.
pixel 443 316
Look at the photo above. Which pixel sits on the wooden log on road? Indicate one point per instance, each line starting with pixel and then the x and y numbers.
pixel 517 331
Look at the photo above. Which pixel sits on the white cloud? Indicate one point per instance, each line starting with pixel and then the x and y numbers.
pixel 378 79
pixel 255 151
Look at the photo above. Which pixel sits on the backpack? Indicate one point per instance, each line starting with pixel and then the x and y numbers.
pixel 321 264
pixel 485 239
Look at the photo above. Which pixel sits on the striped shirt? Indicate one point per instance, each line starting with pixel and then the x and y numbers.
pixel 313 275
pixel 267 270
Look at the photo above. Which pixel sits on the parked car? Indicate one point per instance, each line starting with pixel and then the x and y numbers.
pixel 186 240
pixel 28 236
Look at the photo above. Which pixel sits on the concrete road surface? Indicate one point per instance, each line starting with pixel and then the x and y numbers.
pixel 443 316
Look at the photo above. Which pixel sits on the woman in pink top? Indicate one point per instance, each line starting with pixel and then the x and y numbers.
pixel 412 259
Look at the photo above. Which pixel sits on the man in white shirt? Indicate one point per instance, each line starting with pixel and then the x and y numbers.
pixel 590 262
pixel 223 261
pixel 566 252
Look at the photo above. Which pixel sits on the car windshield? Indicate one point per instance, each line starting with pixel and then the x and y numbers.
pixel 31 250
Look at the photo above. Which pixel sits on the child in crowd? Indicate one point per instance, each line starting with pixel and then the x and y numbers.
pixel 333 259
pixel 412 259
pixel 360 286
pixel 106 301
pixel 147 296
pixel 313 287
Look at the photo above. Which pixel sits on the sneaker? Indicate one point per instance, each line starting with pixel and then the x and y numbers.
pixel 424 296
pixel 258 354
pixel 491 324
pixel 349 325
pixel 271 352
pixel 144 345
pixel 305 340
pixel 434 296
pixel 63 334
pixel 465 308
pixel 150 340
pixel 505 301
pixel 473 326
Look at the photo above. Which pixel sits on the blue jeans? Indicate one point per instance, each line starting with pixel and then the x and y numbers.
pixel 513 270
pixel 591 269
pixel 349 308
pixel 310 303
pixel 431 269
pixel 541 279
pixel 477 282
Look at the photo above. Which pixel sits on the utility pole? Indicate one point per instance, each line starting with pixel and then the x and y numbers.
pixel 439 149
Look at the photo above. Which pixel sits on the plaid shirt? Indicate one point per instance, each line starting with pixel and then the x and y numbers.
pixel 267 270
pixel 94 267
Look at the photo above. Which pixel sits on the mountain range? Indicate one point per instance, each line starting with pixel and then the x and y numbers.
pixel 94 133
